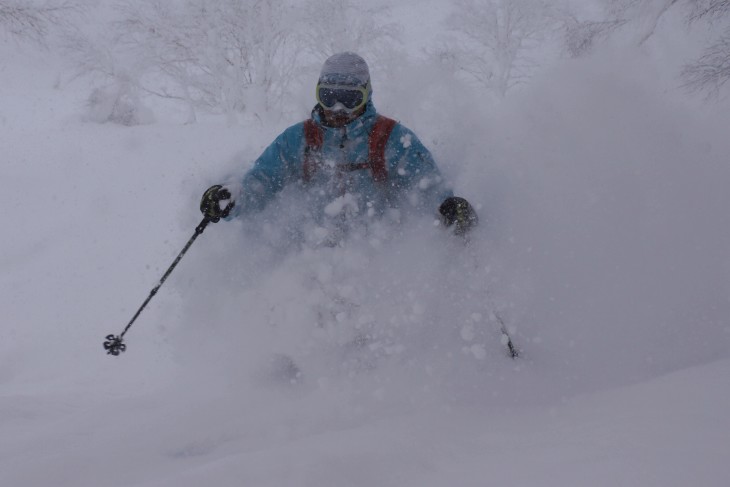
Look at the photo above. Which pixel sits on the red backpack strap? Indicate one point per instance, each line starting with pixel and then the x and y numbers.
pixel 313 139
pixel 376 145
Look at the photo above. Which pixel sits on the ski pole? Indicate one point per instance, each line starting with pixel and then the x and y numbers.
pixel 506 339
pixel 114 345
pixel 513 351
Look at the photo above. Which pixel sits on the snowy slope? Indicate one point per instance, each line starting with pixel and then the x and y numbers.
pixel 670 432
pixel 605 248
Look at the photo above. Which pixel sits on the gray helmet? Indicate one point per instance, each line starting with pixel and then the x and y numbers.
pixel 345 68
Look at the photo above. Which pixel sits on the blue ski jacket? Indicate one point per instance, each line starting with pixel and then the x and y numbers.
pixel 413 179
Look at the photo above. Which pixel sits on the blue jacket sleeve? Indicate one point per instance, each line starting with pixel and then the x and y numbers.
pixel 413 169
pixel 276 166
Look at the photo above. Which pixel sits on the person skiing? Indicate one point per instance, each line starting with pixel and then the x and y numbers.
pixel 351 161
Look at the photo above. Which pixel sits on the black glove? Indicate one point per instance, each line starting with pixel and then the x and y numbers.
pixel 458 212
pixel 210 203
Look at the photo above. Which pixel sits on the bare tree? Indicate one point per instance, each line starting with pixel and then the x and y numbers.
pixel 250 53
pixel 224 55
pixel 33 20
pixel 495 38
pixel 331 26
pixel 643 15
pixel 712 9
pixel 581 36
pixel 654 16
pixel 164 41
pixel 711 72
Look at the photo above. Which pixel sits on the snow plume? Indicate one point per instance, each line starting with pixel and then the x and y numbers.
pixel 397 314
pixel 605 196
pixel 603 247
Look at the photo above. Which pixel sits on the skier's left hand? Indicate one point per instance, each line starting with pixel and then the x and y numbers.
pixel 210 203
pixel 459 213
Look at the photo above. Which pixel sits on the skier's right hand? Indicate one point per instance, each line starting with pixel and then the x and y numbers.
pixel 211 200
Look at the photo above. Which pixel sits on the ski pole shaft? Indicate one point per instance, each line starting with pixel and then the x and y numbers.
pixel 506 338
pixel 114 345
pixel 513 351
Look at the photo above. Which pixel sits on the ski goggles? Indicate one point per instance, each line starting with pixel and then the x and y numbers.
pixel 352 98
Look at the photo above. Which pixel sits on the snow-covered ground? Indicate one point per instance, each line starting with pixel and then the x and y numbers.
pixel 604 246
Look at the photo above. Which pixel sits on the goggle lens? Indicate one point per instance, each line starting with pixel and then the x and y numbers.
pixel 350 97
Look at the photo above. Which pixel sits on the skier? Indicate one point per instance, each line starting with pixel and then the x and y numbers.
pixel 350 161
